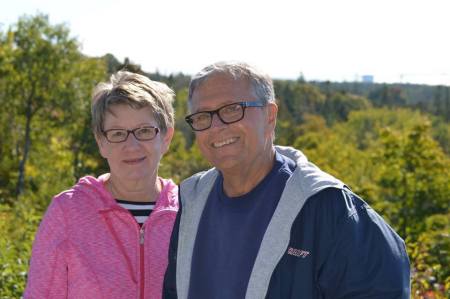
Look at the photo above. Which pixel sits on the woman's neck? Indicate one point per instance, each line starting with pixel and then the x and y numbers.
pixel 135 190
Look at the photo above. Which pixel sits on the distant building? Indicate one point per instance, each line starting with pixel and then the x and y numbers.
pixel 367 79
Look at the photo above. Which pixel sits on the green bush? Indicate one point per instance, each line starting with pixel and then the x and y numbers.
pixel 18 225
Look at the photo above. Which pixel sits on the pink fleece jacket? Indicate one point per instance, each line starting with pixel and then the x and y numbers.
pixel 87 246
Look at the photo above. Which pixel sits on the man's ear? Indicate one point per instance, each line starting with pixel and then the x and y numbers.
pixel 272 112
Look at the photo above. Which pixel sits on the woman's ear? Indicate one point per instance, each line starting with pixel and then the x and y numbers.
pixel 167 138
pixel 101 146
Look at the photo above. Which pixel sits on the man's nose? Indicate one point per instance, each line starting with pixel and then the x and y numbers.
pixel 216 122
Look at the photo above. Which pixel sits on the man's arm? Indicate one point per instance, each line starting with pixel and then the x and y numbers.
pixel 367 260
pixel 170 283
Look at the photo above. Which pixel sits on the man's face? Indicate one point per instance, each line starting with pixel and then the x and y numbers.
pixel 237 146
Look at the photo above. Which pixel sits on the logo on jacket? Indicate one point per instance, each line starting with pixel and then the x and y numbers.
pixel 297 252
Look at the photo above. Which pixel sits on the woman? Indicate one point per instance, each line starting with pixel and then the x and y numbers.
pixel 108 237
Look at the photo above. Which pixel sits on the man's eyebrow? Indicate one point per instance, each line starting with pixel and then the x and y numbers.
pixel 217 107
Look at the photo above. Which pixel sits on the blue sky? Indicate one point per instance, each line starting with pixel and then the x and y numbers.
pixel 393 40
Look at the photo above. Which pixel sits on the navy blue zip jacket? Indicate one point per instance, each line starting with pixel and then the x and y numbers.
pixel 323 242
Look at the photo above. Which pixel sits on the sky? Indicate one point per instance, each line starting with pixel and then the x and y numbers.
pixel 392 40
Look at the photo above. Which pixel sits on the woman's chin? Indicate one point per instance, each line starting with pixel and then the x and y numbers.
pixel 134 176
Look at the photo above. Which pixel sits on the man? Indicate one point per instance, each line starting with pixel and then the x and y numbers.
pixel 265 222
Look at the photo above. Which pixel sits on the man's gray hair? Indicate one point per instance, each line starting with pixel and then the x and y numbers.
pixel 136 91
pixel 261 82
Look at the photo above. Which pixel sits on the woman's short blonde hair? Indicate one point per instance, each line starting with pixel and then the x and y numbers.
pixel 138 92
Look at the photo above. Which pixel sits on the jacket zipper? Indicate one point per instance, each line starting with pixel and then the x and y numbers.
pixel 142 254
pixel 141 258
pixel 141 280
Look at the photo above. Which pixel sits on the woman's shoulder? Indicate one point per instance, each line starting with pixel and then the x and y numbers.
pixel 88 190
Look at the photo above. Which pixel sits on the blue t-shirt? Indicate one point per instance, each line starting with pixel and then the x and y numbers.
pixel 230 234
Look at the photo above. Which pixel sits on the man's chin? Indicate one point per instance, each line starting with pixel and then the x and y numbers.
pixel 228 165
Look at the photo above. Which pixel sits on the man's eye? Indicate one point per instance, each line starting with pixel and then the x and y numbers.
pixel 231 108
pixel 201 117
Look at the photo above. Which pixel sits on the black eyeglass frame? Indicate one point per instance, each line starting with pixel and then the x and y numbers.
pixel 243 104
pixel 105 133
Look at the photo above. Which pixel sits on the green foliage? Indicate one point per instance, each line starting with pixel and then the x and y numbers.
pixel 48 83
pixel 339 105
pixel 180 163
pixel 430 99
pixel 391 159
pixel 431 256
pixel 441 133
pixel 414 178
pixel 18 225
pixel 297 99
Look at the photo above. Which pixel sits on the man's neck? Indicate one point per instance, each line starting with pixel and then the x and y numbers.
pixel 237 182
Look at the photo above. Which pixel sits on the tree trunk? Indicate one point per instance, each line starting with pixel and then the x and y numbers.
pixel 26 149
pixel 78 145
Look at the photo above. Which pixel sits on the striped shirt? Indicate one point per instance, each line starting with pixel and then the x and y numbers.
pixel 140 210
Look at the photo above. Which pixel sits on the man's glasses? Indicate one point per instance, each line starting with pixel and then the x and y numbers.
pixel 227 114
pixel 121 135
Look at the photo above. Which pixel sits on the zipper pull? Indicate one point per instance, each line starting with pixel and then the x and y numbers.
pixel 141 236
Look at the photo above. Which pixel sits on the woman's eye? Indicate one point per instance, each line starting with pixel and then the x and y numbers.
pixel 118 133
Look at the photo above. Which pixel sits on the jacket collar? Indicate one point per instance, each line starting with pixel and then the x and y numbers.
pixel 102 200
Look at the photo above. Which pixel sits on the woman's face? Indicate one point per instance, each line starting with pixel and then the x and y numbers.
pixel 133 159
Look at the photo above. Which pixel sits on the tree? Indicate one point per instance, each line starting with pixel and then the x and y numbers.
pixel 48 80
pixel 429 254
pixel 297 100
pixel 7 117
pixel 414 178
pixel 338 106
